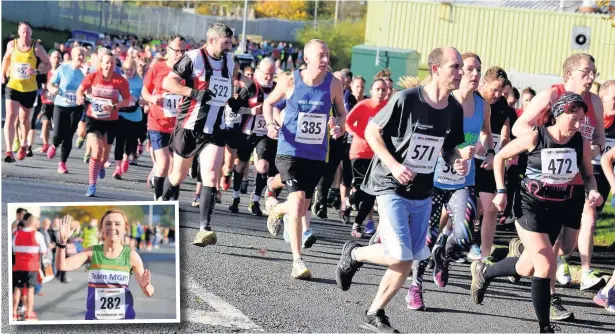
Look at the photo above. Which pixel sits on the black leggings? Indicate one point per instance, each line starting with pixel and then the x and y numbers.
pixel 338 152
pixel 65 121
pixel 126 138
pixel 364 201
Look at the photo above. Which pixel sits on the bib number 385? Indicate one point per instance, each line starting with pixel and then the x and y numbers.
pixel 311 128
pixel 423 153
pixel 559 165
pixel 110 303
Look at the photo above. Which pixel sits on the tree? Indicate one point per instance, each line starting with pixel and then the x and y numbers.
pixel 295 10
pixel 84 214
pixel 340 39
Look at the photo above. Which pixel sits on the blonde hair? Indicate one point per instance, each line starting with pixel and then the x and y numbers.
pixel 101 222
pixel 130 64
pixel 574 60
pixel 407 81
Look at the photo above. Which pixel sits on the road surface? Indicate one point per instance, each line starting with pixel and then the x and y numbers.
pixel 243 283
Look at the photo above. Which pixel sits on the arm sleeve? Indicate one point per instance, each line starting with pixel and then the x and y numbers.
pixel 40 239
pixel 55 78
pixel 455 137
pixel 353 116
pixel 124 88
pixel 388 117
pixel 184 67
pixel 87 82
pixel 148 81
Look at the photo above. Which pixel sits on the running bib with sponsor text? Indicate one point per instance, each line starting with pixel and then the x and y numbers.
pixel 448 175
pixel 231 117
pixel 110 303
pixel 311 128
pixel 586 129
pixel 21 71
pixel 170 104
pixel 610 143
pixel 222 89
pixel 497 141
pixel 97 107
pixel 70 97
pixel 423 153
pixel 559 165
pixel 260 125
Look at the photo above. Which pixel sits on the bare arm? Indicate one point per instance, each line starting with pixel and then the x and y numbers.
pixel 486 130
pixel 337 93
pixel 6 61
pixel 172 84
pixel 587 170
pixel 525 123
pixel 505 133
pixel 72 263
pixel 514 148
pixel 373 136
pixel 607 167
pixel 143 277
pixel 599 137
pixel 45 65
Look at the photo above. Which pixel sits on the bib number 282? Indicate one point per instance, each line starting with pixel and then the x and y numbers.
pixel 110 303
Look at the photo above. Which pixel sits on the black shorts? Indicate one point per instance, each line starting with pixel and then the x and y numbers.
pixel 188 143
pixel 93 125
pixel 549 217
pixel 266 148
pixel 484 179
pixel 25 279
pixel 359 170
pixel 234 138
pixel 300 174
pixel 47 112
pixel 26 99
pixel 604 188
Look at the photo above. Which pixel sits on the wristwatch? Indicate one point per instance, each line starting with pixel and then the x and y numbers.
pixel 501 191
pixel 62 246
pixel 490 151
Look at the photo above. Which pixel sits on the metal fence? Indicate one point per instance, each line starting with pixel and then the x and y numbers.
pixel 115 18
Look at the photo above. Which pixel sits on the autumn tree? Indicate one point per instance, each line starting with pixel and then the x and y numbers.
pixel 295 10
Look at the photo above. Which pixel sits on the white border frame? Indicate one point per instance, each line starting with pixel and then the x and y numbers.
pixel 13 206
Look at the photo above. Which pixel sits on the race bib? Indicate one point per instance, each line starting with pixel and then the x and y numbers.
pixel 170 104
pixel 230 117
pixel 423 153
pixel 260 125
pixel 222 89
pixel 610 143
pixel 586 129
pixel 496 144
pixel 110 303
pixel 70 97
pixel 559 165
pixel 448 175
pixel 97 108
pixel 311 128
pixel 21 71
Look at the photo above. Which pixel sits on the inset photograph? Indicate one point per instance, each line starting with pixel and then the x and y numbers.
pixel 88 263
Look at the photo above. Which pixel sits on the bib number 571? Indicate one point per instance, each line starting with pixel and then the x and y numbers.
pixel 421 150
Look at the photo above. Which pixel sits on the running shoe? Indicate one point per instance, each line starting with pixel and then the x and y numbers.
pixel 117 173
pixel 62 168
pixel 347 267
pixel 345 215
pixel 308 239
pixel 370 228
pixel 16 145
pixel 234 207
pixel 51 152
pixel 8 157
pixel 479 283
pixel 590 280
pixel 378 323
pixel 205 237
pixel 21 154
pixel 218 198
pixel 300 271
pixel 474 253
pixel 610 304
pixel 255 208
pixel 101 173
pixel 415 298
pixel 91 190
pixel 601 299
pixel 563 271
pixel 226 182
pixel 44 148
pixel 274 221
pixel 86 158
pixel 197 200
pixel 124 166
pixel 514 250
pixel 29 153
pixel 357 231
pixel 558 311
pixel 550 328
pixel 441 262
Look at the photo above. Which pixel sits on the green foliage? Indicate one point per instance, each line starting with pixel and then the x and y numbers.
pixel 84 214
pixel 340 39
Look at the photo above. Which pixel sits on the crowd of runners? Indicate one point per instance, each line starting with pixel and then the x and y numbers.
pixel 441 162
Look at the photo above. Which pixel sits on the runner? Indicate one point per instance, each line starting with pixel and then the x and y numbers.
pixel 303 143
pixel 454 191
pixel 28 246
pixel 21 90
pixel 254 131
pixel 491 91
pixel 208 73
pixel 128 124
pixel 63 86
pixel 111 265
pixel 361 155
pixel 606 179
pixel 102 112
pixel 47 105
pixel 556 153
pixel 579 75
pixel 163 111
pixel 415 126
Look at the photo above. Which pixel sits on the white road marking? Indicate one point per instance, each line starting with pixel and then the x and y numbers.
pixel 226 316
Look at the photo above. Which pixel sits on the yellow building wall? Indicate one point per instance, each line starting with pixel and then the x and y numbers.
pixel 526 41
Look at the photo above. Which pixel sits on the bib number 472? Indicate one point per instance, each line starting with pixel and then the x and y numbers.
pixel 560 166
